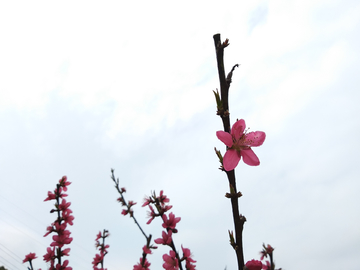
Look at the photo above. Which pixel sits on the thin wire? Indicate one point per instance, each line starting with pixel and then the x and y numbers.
pixel 11 252
pixel 9 262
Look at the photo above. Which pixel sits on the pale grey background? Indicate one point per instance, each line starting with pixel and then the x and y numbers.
pixel 86 87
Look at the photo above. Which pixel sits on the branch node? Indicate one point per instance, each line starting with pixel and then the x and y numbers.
pixel 233 195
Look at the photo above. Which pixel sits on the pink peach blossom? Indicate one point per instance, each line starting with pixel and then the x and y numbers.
pixel 239 145
pixel 254 265
pixel 64 183
pixel 65 252
pixel 266 266
pixel 51 196
pixel 166 238
pixel 50 255
pixel 151 214
pixel 49 229
pixel 61 240
pixel 29 257
pixel 147 250
pixel 147 201
pixel 139 266
pixel 171 222
pixel 187 254
pixel 162 198
pixel 267 250
pixel 63 266
pixel 97 259
pixel 189 261
pixel 171 262
pixel 63 206
pixel 98 236
pixel 67 217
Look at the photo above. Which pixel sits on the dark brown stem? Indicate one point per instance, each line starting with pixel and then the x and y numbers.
pixel 58 255
pixel 224 91
pixel 272 265
pixel 102 248
pixel 224 86
pixel 30 266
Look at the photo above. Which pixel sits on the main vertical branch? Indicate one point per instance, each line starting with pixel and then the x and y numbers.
pixel 224 91
pixel 224 86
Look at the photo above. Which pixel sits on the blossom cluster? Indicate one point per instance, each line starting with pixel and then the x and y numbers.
pixel 128 205
pixel 159 207
pixel 55 252
pixel 172 260
pixel 99 258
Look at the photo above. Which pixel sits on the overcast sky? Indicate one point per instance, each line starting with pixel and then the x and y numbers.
pixel 86 87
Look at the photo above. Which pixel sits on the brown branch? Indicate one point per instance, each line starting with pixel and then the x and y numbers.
pixel 224 91
pixel 224 86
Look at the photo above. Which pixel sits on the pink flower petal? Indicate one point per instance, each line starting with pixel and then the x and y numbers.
pixel 225 138
pixel 256 138
pixel 254 265
pixel 231 159
pixel 249 157
pixel 238 128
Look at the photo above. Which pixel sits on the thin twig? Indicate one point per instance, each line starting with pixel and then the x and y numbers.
pixel 125 203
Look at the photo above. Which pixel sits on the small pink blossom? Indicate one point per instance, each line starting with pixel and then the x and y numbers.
pixel 239 145
pixel 162 198
pixel 171 262
pixel 166 238
pixel 147 250
pixel 147 201
pixel 61 240
pixel 151 214
pixel 49 230
pixel 65 252
pixel 98 259
pixel 189 266
pixel 103 249
pixel 131 203
pixel 266 266
pixel 59 193
pixel 67 217
pixel 63 266
pixel 63 206
pixel 50 255
pixel 128 210
pixel 59 228
pixel 269 249
pixel 254 265
pixel 165 208
pixel 29 257
pixel 266 251
pixel 187 254
pixel 139 266
pixel 51 196
pixel 171 222
pixel 189 261
pixel 263 254
pixel 64 183
pixel 98 236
